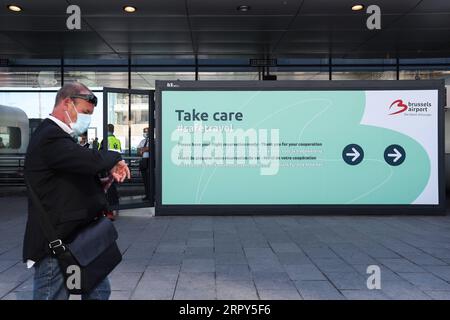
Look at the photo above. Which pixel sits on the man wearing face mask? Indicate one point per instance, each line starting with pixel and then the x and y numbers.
pixel 143 151
pixel 65 177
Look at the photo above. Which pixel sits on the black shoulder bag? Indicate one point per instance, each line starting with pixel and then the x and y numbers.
pixel 93 251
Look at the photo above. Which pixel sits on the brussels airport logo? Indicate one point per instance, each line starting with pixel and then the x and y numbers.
pixel 399 107
pixel 202 145
pixel 410 108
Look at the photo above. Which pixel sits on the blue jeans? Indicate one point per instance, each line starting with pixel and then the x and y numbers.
pixel 49 283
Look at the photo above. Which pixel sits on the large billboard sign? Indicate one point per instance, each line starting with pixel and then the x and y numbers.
pixel 299 147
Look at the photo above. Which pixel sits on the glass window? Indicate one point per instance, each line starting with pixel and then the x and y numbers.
pixel 364 75
pixel 228 75
pixel 301 75
pixel 420 74
pixel 146 80
pixel 30 79
pixel 10 138
pixel 39 104
pixel 92 79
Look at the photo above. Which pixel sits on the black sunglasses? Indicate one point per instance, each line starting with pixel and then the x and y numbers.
pixel 88 97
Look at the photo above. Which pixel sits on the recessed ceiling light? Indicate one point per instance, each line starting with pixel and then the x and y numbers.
pixel 357 7
pixel 243 8
pixel 129 9
pixel 13 7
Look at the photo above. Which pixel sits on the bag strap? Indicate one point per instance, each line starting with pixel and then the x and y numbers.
pixel 55 244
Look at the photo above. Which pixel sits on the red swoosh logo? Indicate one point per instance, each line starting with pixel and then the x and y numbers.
pixel 399 104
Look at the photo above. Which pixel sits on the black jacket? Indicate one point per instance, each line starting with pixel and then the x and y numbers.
pixel 64 175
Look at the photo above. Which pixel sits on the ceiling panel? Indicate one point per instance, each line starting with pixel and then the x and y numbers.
pixel 339 7
pixel 257 7
pixel 182 27
pixel 144 7
pixel 146 48
pixel 139 24
pixel 218 23
pixel 146 37
pixel 236 37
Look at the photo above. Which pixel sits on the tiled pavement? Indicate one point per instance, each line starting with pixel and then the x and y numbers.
pixel 288 257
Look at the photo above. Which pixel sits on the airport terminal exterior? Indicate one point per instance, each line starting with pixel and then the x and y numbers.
pixel 281 134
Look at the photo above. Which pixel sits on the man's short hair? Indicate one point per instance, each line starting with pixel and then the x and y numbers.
pixel 70 89
pixel 111 128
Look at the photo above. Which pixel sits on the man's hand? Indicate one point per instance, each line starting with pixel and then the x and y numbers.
pixel 120 171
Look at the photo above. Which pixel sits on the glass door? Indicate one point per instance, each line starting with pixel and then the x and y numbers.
pixel 127 114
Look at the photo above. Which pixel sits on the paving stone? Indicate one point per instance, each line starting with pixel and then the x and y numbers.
pixel 201 234
pixel 439 295
pixel 265 265
pixel 402 290
pixel 200 243
pixel 6 287
pixel 259 253
pixel 401 265
pixel 230 258
pixel 192 294
pixel 17 274
pixel 19 295
pixel 319 252
pixel 347 280
pixel 318 290
pixel 438 252
pixel 166 258
pixel 155 290
pixel 424 259
pixel 200 281
pixel 198 265
pixel 167 273
pixel 426 281
pixel 6 264
pixel 120 295
pixel 133 265
pixel 291 294
pixel 304 272
pixel 285 247
pixel 176 248
pixel 26 285
pixel 332 265
pixel 236 290
pixel 275 284
pixel 233 272
pixel 228 248
pixel 124 281
pixel 380 252
pixel 442 272
pixel 293 258
pixel 364 295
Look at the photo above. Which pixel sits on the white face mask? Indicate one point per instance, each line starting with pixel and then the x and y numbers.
pixel 145 134
pixel 82 124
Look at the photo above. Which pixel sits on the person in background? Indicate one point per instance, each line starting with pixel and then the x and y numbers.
pixel 112 194
pixel 144 163
pixel 95 144
pixel 2 145
pixel 82 140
